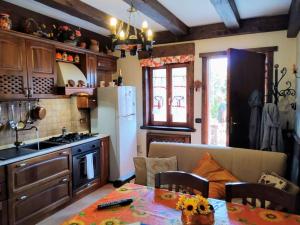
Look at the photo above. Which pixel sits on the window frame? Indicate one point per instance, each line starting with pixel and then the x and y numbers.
pixel 148 100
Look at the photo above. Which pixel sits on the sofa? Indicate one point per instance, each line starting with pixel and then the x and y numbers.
pixel 245 164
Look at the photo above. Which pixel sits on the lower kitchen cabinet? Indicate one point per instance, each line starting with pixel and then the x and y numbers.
pixel 104 160
pixel 3 213
pixel 32 205
pixel 35 171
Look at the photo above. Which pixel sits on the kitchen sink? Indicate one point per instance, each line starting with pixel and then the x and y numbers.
pixel 40 146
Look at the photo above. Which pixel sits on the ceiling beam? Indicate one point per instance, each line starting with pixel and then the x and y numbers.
pixel 81 10
pixel 228 12
pixel 247 26
pixel 157 12
pixel 294 20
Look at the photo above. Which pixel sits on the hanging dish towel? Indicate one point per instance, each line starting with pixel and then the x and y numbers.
pixel 255 103
pixel 90 166
pixel 271 134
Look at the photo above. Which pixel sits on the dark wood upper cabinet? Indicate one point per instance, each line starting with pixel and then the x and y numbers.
pixel 41 67
pixel 107 63
pixel 13 71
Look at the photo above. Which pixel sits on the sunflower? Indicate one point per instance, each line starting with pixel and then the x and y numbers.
pixel 179 205
pixel 203 206
pixel 140 213
pixel 168 196
pixel 271 216
pixel 111 221
pixel 190 207
pixel 74 222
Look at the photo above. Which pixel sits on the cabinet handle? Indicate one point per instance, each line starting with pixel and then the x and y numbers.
pixel 26 92
pixel 22 165
pixel 22 198
pixel 64 153
pixel 64 180
pixel 30 92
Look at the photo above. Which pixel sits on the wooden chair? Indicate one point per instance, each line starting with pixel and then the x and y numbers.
pixel 182 182
pixel 279 199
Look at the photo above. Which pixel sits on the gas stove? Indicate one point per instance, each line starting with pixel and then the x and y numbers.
pixel 71 137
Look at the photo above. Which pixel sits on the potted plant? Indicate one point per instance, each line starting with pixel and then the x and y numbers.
pixel 67 35
pixel 195 210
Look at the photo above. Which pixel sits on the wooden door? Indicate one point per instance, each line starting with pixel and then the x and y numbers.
pixel 246 73
pixel 92 71
pixel 41 69
pixel 13 72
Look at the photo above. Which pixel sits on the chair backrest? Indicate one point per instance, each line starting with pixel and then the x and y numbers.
pixel 180 181
pixel 279 199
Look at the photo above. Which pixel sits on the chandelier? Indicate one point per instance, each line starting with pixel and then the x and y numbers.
pixel 128 38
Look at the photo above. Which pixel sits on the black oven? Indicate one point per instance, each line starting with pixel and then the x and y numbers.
pixel 86 164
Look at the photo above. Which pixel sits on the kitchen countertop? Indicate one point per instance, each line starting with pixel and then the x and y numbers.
pixel 49 150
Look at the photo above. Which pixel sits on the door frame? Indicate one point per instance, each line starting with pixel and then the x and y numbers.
pixel 268 51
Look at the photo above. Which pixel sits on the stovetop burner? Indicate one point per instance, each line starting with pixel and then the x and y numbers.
pixel 71 137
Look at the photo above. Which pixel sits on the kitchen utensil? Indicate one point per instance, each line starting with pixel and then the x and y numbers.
pixel 20 124
pixel 28 113
pixel 38 113
pixel 11 121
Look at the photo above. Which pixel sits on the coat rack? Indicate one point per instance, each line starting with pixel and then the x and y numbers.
pixel 289 91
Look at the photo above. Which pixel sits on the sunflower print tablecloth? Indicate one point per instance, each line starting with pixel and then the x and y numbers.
pixel 157 207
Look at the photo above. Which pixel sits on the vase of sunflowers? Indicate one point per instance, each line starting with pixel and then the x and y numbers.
pixel 196 210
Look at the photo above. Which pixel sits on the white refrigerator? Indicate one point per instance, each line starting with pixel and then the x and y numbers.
pixel 116 116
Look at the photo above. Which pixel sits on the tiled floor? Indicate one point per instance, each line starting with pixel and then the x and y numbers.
pixel 77 206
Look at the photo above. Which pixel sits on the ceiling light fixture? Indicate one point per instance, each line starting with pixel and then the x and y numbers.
pixel 128 38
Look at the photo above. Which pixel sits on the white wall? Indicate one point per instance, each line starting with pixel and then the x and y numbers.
pixel 286 56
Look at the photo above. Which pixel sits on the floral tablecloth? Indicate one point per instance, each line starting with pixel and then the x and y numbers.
pixel 157 207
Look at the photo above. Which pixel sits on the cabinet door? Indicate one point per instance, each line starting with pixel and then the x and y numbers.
pixel 92 71
pixel 41 66
pixel 13 73
pixel 104 160
pixel 107 63
pixel 33 172
pixel 33 205
pixel 3 213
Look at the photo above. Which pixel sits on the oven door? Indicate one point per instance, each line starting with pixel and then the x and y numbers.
pixel 85 168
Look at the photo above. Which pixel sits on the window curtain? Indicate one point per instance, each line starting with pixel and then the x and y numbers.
pixel 158 62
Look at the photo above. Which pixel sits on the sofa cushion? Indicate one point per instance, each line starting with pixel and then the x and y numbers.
pixel 157 165
pixel 208 168
pixel 140 170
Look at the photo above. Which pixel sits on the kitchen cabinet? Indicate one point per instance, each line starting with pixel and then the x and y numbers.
pixel 86 102
pixel 107 63
pixel 13 71
pixel 36 171
pixel 92 71
pixel 3 197
pixel 30 206
pixel 41 68
pixel 104 160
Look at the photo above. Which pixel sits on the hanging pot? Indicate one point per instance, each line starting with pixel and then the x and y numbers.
pixel 38 113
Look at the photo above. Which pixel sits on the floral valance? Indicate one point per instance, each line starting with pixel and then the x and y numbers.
pixel 157 62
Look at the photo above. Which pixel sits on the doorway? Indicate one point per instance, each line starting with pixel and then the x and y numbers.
pixel 217 100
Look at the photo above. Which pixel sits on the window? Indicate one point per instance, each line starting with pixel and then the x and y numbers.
pixel 168 98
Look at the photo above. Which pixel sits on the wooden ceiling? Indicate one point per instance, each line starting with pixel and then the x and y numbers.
pixel 178 30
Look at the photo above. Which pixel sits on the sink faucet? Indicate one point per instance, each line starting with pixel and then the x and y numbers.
pixel 17 142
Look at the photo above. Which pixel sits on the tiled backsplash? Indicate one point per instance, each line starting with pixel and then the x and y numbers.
pixel 60 113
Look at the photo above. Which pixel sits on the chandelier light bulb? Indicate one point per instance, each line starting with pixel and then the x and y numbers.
pixel 144 26
pixel 113 22
pixel 150 35
pixel 122 35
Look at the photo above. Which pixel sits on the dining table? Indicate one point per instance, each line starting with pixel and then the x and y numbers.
pixel 153 206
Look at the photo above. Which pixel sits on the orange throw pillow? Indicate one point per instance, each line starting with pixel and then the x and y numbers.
pixel 216 175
